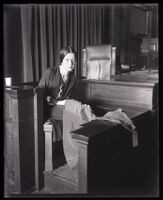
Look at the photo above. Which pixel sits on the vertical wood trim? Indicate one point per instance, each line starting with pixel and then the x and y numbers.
pixel 16 159
pixel 89 92
pixel 48 128
pixel 83 61
pixel 83 167
pixel 112 25
pixel 48 151
pixel 113 61
pixel 149 23
pixel 36 142
pixel 39 148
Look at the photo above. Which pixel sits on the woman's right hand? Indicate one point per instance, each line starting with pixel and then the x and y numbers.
pixel 61 102
pixel 52 101
pixel 48 98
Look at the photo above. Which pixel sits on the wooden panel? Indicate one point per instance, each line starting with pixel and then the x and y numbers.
pixel 116 168
pixel 27 158
pixel 23 111
pixel 16 160
pixel 102 170
pixel 19 141
pixel 109 168
pixel 108 94
pixel 8 107
pixel 26 108
pixel 83 167
pixel 9 165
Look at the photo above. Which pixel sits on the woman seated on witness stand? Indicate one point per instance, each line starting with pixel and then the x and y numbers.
pixel 58 83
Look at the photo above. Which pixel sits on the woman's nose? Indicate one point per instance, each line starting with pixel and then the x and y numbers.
pixel 71 62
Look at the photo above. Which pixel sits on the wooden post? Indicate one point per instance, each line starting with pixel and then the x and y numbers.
pixel 113 61
pixel 19 134
pixel 83 167
pixel 83 162
pixel 39 139
pixel 48 129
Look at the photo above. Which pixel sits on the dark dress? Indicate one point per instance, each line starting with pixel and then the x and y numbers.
pixel 56 88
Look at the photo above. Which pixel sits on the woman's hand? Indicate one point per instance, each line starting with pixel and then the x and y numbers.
pixel 52 101
pixel 61 102
pixel 48 98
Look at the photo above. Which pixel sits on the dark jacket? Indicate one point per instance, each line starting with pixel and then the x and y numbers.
pixel 52 80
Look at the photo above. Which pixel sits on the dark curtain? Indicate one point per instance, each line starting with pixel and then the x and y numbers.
pixel 12 43
pixel 46 28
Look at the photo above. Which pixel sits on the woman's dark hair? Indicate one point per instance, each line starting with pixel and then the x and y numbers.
pixel 63 52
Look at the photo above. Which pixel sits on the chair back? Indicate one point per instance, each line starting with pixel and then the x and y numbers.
pixel 99 62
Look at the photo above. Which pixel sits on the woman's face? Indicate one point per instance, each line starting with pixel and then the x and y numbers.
pixel 69 61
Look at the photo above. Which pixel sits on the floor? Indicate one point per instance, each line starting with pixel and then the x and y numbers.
pixel 63 171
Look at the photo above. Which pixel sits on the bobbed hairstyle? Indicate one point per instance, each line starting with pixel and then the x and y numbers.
pixel 63 52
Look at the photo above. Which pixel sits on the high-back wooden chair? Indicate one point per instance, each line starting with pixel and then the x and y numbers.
pixel 99 61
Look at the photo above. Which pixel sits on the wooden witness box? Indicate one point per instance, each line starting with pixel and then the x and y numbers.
pixel 22 105
pixel 24 141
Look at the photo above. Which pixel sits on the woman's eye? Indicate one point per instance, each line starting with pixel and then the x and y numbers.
pixel 69 60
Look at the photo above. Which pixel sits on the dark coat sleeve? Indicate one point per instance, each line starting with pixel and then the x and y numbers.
pixel 43 83
pixel 44 79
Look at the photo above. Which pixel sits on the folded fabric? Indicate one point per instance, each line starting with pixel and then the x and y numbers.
pixel 120 117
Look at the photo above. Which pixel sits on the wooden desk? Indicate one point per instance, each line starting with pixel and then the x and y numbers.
pixel 113 94
pixel 140 101
pixel 108 164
